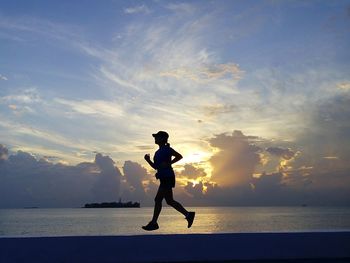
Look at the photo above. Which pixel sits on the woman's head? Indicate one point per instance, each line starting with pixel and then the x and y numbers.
pixel 161 137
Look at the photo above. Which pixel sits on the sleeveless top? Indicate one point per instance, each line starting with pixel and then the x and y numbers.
pixel 163 156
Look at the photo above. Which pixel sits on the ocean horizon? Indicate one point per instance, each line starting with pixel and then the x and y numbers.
pixel 26 222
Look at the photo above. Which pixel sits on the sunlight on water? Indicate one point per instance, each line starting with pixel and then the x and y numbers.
pixel 124 221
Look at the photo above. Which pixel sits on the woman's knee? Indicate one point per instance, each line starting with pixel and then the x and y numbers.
pixel 158 199
pixel 170 201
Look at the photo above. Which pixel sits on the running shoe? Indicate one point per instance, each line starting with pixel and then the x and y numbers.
pixel 190 218
pixel 150 226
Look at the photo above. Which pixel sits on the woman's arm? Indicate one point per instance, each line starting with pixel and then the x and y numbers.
pixel 148 159
pixel 177 156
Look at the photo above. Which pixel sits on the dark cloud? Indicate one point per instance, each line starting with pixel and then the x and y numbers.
pixel 27 181
pixel 247 170
pixel 273 189
pixel 134 174
pixel 195 191
pixel 3 152
pixel 192 172
pixel 297 177
pixel 107 186
pixel 284 153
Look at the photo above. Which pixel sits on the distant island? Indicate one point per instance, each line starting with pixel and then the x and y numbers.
pixel 120 204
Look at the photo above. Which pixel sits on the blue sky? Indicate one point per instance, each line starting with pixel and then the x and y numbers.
pixel 85 77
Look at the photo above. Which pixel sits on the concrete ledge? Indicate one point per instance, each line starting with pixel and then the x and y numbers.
pixel 176 248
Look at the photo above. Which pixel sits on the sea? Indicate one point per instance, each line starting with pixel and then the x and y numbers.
pixel 128 221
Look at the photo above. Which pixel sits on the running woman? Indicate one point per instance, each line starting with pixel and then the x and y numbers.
pixel 162 161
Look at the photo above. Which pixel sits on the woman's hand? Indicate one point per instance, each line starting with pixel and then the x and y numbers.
pixel 147 157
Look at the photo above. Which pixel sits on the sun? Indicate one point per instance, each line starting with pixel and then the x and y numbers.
pixel 195 156
pixel 198 158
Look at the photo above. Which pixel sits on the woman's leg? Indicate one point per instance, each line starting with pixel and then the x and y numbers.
pixel 168 194
pixel 158 204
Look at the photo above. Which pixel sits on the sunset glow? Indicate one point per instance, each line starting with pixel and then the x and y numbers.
pixel 254 94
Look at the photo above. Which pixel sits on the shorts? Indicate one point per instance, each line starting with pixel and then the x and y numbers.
pixel 167 182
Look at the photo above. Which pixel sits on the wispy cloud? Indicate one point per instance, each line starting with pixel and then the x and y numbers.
pixel 24 28
pixel 39 26
pixel 2 77
pixel 48 136
pixel 137 10
pixel 344 86
pixel 181 7
pixel 168 62
pixel 206 73
pixel 118 80
pixel 27 96
pixel 93 107
pixel 331 157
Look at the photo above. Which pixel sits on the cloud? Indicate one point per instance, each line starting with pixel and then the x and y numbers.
pixel 128 74
pixel 205 73
pixel 145 147
pixel 286 154
pixel 2 77
pixel 214 110
pixel 3 152
pixel 13 107
pixel 107 185
pixel 59 34
pixel 138 184
pixel 324 145
pixel 143 9
pixel 268 182
pixel 31 26
pixel 181 8
pixel 192 172
pixel 108 109
pixel 135 174
pixel 344 86
pixel 26 96
pixel 274 189
pixel 331 157
pixel 118 80
pixel 195 191
pixel 296 177
pixel 235 160
pixel 22 102
pixel 28 181
pixel 182 67
pixel 52 138
pixel 329 123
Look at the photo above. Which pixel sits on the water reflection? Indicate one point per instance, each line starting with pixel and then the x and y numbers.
pixel 62 222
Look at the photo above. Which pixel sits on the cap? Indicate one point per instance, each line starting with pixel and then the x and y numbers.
pixel 162 134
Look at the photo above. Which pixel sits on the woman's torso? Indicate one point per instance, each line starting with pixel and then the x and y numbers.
pixel 162 160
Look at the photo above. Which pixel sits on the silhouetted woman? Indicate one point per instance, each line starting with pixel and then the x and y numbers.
pixel 162 161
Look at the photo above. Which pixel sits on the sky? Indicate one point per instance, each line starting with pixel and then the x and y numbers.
pixel 254 94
